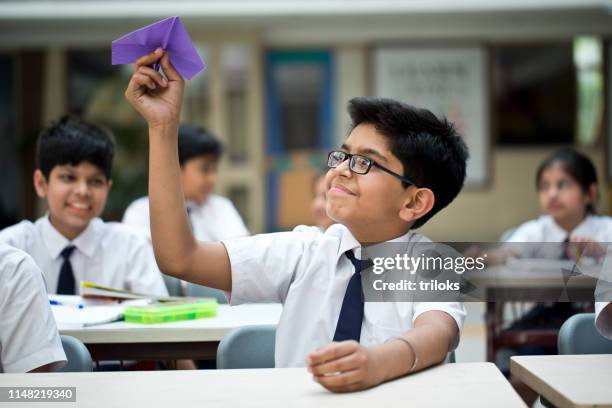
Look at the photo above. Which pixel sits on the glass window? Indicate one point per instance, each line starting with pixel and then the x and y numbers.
pixel 588 58
pixel 534 94
pixel 235 60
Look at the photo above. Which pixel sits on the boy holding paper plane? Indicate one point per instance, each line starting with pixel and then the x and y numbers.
pixel 378 189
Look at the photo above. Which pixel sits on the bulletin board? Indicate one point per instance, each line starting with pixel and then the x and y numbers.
pixel 449 81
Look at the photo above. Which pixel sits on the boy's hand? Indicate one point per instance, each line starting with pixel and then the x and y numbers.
pixel 156 98
pixel 585 247
pixel 345 366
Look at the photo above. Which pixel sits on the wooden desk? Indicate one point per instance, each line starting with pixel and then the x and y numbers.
pixel 195 339
pixel 468 384
pixel 568 381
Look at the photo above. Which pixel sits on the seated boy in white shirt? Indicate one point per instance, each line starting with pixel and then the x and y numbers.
pixel 397 168
pixel 29 340
pixel 73 174
pixel 212 217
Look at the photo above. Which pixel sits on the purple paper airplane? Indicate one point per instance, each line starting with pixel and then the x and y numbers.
pixel 169 34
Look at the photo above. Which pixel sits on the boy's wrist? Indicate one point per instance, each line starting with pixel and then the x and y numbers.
pixel 380 354
pixel 392 347
pixel 169 129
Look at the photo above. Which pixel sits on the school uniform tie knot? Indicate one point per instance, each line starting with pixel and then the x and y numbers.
pixel 351 313
pixel 66 252
pixel 359 264
pixel 66 281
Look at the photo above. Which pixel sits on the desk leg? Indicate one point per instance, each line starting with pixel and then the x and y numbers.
pixel 492 319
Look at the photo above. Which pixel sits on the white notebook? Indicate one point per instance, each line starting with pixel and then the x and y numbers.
pixel 67 317
pixel 76 312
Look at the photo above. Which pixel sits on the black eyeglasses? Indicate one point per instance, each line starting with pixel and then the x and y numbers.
pixel 359 164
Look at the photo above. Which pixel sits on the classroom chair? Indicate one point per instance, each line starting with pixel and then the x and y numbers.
pixel 79 359
pixel 578 335
pixel 193 290
pixel 173 285
pixel 247 347
pixel 450 358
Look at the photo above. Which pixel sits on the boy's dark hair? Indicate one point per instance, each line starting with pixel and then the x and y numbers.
pixel 72 140
pixel 432 152
pixel 577 165
pixel 195 141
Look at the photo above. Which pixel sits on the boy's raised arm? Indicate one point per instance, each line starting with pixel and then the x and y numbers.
pixel 158 100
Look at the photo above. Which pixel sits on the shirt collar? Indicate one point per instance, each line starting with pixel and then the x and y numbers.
pixel 348 242
pixel 561 234
pixel 56 242
pixel 584 228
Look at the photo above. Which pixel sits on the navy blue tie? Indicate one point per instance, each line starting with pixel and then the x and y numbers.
pixel 565 246
pixel 351 313
pixel 65 283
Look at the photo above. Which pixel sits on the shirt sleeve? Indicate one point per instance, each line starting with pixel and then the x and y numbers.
pixel 144 276
pixel 603 318
pixel 264 266
pixel 455 309
pixel 28 333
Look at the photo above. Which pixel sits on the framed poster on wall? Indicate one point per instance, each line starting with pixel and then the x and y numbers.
pixel 449 81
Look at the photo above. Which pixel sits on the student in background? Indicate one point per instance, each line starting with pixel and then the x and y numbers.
pixel 70 243
pixel 378 191
pixel 567 190
pixel 29 340
pixel 319 201
pixel 212 217
pixel 566 183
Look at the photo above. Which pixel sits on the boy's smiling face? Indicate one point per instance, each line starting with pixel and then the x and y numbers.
pixel 75 195
pixel 369 204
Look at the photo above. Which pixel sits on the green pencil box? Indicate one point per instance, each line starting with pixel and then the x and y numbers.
pixel 171 312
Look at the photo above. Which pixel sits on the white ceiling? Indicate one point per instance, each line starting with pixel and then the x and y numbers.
pixel 65 23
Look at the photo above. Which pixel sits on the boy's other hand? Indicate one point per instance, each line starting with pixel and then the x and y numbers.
pixel 585 246
pixel 345 366
pixel 156 98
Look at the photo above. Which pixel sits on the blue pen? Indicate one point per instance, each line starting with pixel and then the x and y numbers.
pixel 58 303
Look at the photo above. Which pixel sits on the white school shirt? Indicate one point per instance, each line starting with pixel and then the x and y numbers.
pixel 306 270
pixel 108 254
pixel 545 229
pixel 213 221
pixel 28 334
